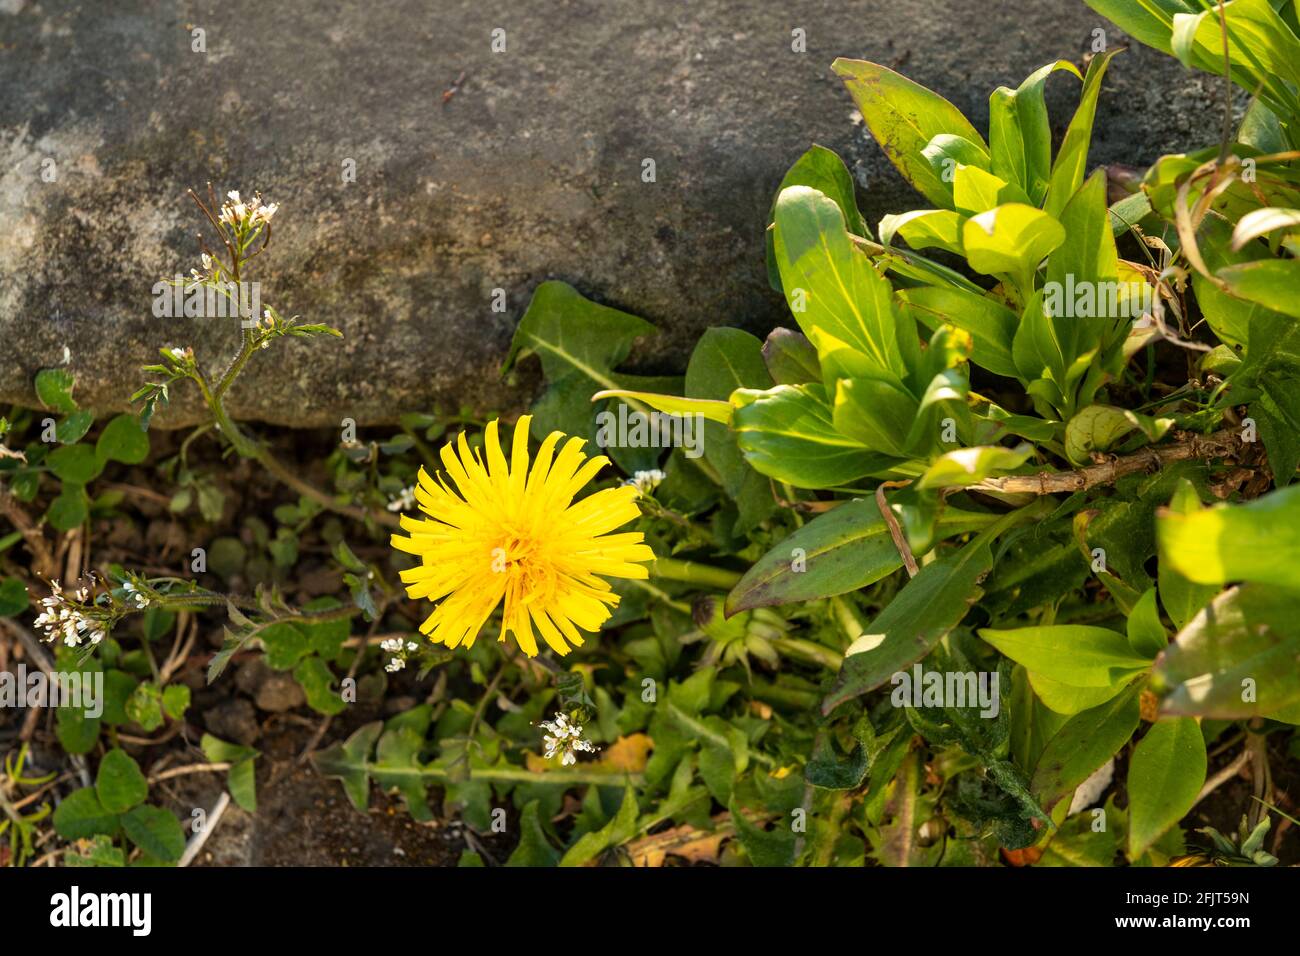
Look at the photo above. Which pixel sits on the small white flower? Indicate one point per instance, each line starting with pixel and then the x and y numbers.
pixel 396 664
pixel 646 481
pixel 564 738
pixel 404 501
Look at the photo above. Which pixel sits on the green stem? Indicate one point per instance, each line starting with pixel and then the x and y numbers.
pixel 691 572
pixel 808 651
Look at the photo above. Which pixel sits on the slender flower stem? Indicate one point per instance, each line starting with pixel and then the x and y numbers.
pixel 692 572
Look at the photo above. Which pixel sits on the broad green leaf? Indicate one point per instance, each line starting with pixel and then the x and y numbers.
pixel 1083 744
pixel 1165 775
pixel 70 508
pixel 579 344
pixel 1262 50
pixel 119 783
pixel 1020 136
pixel 80 815
pixel 724 360
pixel 1068 700
pixel 349 762
pixel 156 831
pixel 1148 21
pixel 1082 290
pixel 1258 541
pixel 847 548
pixel 966 466
pixel 1074 654
pixel 946 153
pixel 903 118
pixel 925 229
pixel 1268 282
pixel 74 463
pixel 842 304
pixel 73 428
pixel 787 433
pixel 877 413
pixel 924 611
pixel 1010 240
pixel 54 389
pixel 1072 158
pixel 123 440
pixel 823 170
pixel 1236 658
pixel 1146 635
pixel 791 358
pixel 1181 598
pixel 990 324
pixel 975 190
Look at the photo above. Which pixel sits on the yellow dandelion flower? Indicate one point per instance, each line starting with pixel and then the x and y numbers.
pixel 514 535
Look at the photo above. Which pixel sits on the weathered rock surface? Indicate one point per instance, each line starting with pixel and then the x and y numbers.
pixel 531 169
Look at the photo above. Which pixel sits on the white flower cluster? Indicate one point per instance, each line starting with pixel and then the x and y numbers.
pixel 236 210
pixel 405 501
pixel 565 739
pixel 133 596
pixel 646 481
pixel 64 619
pixel 394 646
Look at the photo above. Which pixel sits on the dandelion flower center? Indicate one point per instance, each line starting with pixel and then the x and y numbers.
pixel 504 534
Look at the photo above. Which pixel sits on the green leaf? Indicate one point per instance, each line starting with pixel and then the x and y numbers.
pixel 54 389
pixel 70 508
pixel 990 324
pixel 80 815
pixel 1020 135
pixel 903 118
pixel 847 548
pixel 1085 742
pixel 318 684
pixel 924 611
pixel 1146 635
pixel 241 779
pixel 176 700
pixel 579 343
pixel 73 428
pixel 1236 658
pixel 1165 775
pixel 1097 428
pixel 156 831
pixel 13 597
pixel 1010 240
pixel 713 411
pixel 614 833
pixel 842 304
pixel 1258 541
pixel 123 440
pixel 74 463
pixel 966 466
pixel 975 190
pixel 1072 158
pixel 791 358
pixel 1074 654
pixel 925 229
pixel 724 360
pixel 787 433
pixel 144 706
pixel 348 762
pixel 1267 282
pixel 765 848
pixel 823 170
pixel 534 848
pixel 119 783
